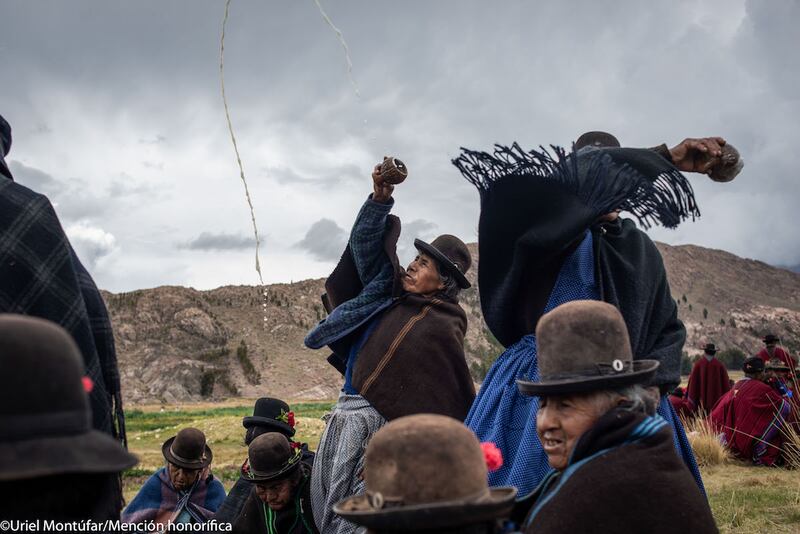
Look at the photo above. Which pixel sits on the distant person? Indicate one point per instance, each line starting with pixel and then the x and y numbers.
pixel 269 415
pixel 398 338
pixel 280 502
pixel 615 464
pixel 53 464
pixel 550 232
pixel 680 403
pixel 773 350
pixel 183 491
pixel 427 474
pixel 40 275
pixel 708 381
pixel 751 415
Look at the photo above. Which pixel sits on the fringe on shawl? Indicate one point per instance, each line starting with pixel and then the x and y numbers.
pixel 594 177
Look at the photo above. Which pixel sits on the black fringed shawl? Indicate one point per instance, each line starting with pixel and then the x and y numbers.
pixel 535 209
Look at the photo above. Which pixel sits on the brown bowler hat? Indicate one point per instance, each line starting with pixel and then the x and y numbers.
pixel 188 449
pixel 583 346
pixel 425 472
pixel 596 139
pixel 270 457
pixel 45 417
pixel 451 253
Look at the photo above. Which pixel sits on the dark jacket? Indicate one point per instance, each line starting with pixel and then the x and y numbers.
pixel 295 518
pixel 623 476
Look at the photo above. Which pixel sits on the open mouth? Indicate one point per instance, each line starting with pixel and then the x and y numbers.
pixel 552 445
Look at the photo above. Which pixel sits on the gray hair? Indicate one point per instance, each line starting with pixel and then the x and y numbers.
pixel 639 399
pixel 451 287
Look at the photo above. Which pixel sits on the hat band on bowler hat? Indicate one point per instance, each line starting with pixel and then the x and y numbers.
pixel 255 474
pixel 617 367
pixel 19 427
pixel 188 460
pixel 380 502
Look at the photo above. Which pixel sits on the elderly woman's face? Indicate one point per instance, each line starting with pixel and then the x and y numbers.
pixel 561 420
pixel 422 276
pixel 182 478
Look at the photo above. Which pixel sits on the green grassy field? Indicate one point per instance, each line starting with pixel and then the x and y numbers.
pixel 744 499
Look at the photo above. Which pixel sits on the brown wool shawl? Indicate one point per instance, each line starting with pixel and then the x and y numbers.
pixel 413 362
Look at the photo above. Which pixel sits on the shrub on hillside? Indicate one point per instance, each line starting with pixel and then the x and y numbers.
pixel 732 358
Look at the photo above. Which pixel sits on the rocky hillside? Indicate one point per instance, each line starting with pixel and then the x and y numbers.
pixel 179 344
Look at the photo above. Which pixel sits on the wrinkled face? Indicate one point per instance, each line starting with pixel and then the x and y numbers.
pixel 181 477
pixel 277 495
pixel 561 420
pixel 422 276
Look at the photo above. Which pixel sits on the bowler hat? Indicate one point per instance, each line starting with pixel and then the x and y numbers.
pixel 188 449
pixel 270 457
pixel 583 346
pixel 5 146
pixel 425 472
pixel 596 139
pixel 451 254
pixel 754 364
pixel 45 418
pixel 770 338
pixel 710 348
pixel 271 413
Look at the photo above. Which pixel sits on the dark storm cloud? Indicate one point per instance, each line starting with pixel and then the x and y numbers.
pixel 210 241
pixel 325 240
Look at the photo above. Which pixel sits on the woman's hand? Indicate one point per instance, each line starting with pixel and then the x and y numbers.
pixel 381 191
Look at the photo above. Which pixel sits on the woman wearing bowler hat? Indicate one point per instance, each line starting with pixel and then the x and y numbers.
pixel 184 491
pixel 397 336
pixel 280 501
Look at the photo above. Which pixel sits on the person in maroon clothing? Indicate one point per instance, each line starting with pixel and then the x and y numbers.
pixel 772 350
pixel 708 381
pixel 751 417
pixel 680 403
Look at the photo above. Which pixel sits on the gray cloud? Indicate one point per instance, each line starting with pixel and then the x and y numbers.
pixel 91 243
pixel 325 240
pixel 441 75
pixel 211 241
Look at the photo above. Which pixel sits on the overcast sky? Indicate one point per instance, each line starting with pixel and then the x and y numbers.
pixel 118 118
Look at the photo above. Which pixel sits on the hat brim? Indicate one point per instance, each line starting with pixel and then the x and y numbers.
pixel 280 426
pixel 283 472
pixel 199 464
pixel 643 371
pixel 444 261
pixel 358 510
pixel 90 452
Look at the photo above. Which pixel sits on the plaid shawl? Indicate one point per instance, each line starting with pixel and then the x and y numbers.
pixel 40 275
pixel 159 501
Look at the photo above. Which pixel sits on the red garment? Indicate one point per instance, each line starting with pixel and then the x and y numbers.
pixel 681 406
pixel 708 382
pixel 779 353
pixel 750 416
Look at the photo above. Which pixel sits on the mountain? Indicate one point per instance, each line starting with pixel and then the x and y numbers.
pixel 178 344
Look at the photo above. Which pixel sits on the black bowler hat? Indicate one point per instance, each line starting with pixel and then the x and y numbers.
pixel 584 346
pixel 45 417
pixel 271 413
pixel 451 254
pixel 710 348
pixel 596 139
pixel 770 338
pixel 5 146
pixel 188 449
pixel 753 365
pixel 270 457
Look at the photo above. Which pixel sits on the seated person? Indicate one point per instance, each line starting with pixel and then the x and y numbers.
pixel 680 403
pixel 269 415
pixel 279 502
pixel 615 465
pixel 184 491
pixel 53 464
pixel 428 473
pixel 750 417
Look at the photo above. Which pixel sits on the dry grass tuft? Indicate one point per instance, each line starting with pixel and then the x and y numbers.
pixel 791 445
pixel 706 446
